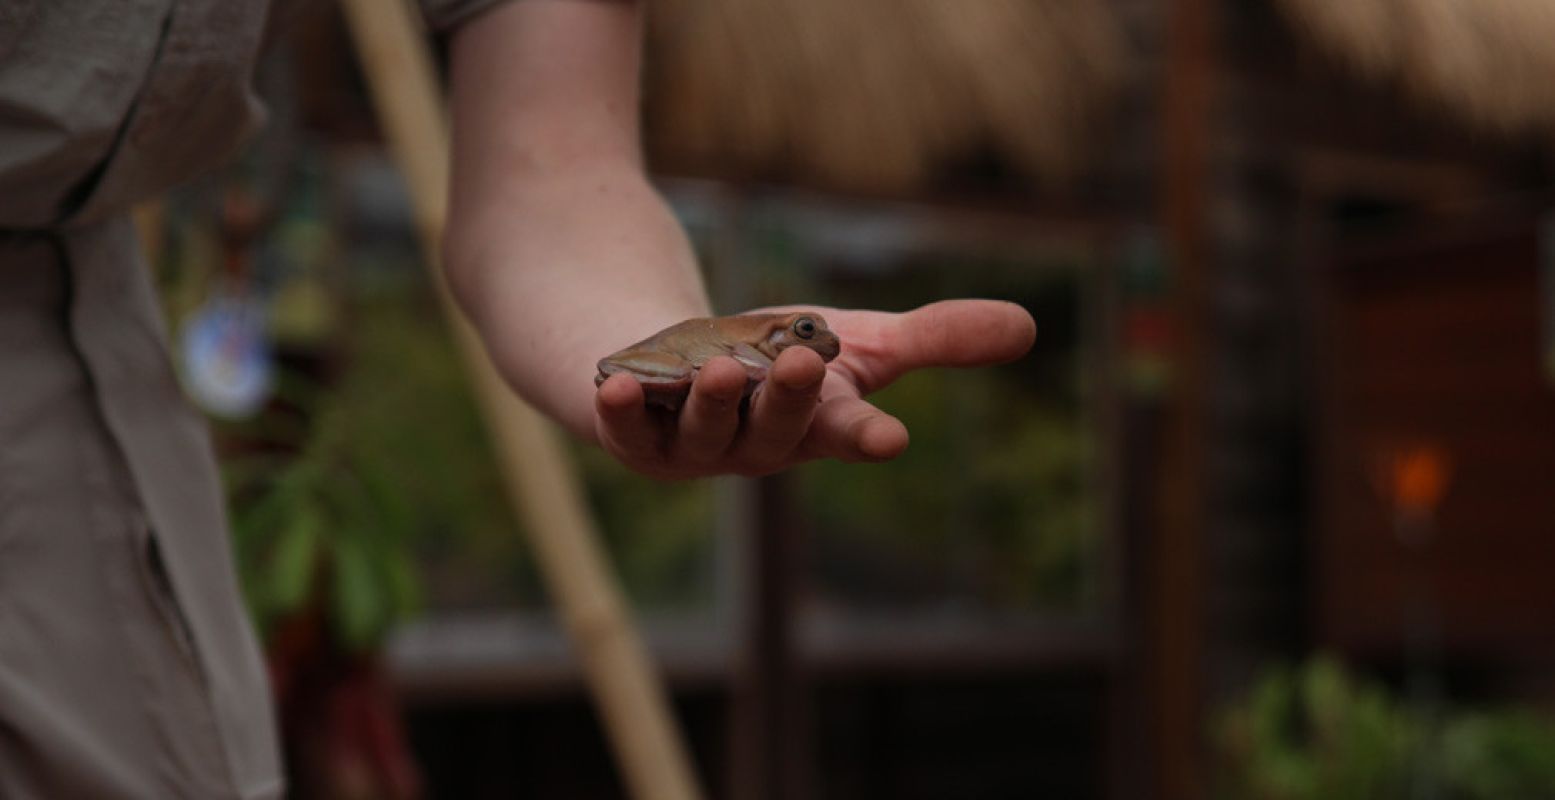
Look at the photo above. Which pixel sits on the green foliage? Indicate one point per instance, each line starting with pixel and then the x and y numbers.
pixel 317 533
pixel 387 462
pixel 994 485
pixel 658 534
pixel 1510 754
pixel 1317 732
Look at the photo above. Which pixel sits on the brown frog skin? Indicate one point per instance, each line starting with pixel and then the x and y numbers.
pixel 666 363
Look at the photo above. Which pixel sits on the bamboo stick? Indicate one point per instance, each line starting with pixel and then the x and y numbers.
pixel 540 483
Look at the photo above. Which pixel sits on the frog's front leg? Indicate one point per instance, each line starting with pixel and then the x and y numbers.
pixel 756 365
pixel 755 362
pixel 655 370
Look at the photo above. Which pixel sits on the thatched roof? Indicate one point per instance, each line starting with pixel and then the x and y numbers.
pixel 876 94
pixel 1489 61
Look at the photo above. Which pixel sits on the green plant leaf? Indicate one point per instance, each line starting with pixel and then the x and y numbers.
pixel 403 586
pixel 296 558
pixel 357 603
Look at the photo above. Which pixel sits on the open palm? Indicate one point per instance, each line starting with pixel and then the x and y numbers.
pixel 807 409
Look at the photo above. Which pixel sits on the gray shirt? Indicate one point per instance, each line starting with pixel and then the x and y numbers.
pixel 104 103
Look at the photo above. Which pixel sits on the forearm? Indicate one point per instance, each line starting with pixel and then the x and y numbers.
pixel 557 247
pixel 570 277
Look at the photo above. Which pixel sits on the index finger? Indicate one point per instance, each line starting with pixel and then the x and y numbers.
pixel 623 424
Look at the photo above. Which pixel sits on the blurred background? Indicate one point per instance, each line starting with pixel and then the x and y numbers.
pixel 1267 513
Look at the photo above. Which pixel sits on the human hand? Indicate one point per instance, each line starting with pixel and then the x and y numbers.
pixel 806 409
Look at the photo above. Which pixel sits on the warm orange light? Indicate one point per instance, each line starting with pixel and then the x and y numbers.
pixel 1417 478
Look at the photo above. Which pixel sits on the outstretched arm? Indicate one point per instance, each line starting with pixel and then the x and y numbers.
pixel 561 252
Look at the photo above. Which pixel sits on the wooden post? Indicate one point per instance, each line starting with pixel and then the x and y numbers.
pixel 1177 622
pixel 769 712
pixel 636 713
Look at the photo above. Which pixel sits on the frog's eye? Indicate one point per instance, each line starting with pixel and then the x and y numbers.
pixel 804 327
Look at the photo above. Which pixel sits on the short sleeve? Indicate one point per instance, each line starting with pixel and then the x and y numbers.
pixel 443 16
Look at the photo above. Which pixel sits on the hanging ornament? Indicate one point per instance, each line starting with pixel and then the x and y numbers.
pixel 228 364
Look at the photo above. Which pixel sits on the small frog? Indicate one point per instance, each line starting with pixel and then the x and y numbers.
pixel 667 362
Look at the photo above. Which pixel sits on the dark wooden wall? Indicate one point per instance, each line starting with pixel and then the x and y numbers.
pixel 1436 338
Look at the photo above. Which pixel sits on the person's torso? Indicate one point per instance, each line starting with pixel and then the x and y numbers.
pixel 106 102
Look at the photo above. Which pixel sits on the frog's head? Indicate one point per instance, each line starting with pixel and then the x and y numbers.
pixel 802 329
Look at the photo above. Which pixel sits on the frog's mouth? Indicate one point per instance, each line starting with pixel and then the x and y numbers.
pixel 828 348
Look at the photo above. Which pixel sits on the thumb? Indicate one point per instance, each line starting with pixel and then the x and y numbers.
pixel 962 333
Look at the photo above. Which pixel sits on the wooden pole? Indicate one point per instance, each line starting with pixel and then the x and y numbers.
pixel 769 714
pixel 653 760
pixel 1178 608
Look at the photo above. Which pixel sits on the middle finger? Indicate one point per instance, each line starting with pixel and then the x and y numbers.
pixel 781 411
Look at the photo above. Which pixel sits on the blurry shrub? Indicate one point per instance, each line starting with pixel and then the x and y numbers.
pixel 383 467
pixel 660 535
pixel 1510 754
pixel 993 488
pixel 1318 732
pixel 321 517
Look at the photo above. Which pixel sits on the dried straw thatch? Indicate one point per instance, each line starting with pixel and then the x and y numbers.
pixel 875 94
pixel 1491 61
